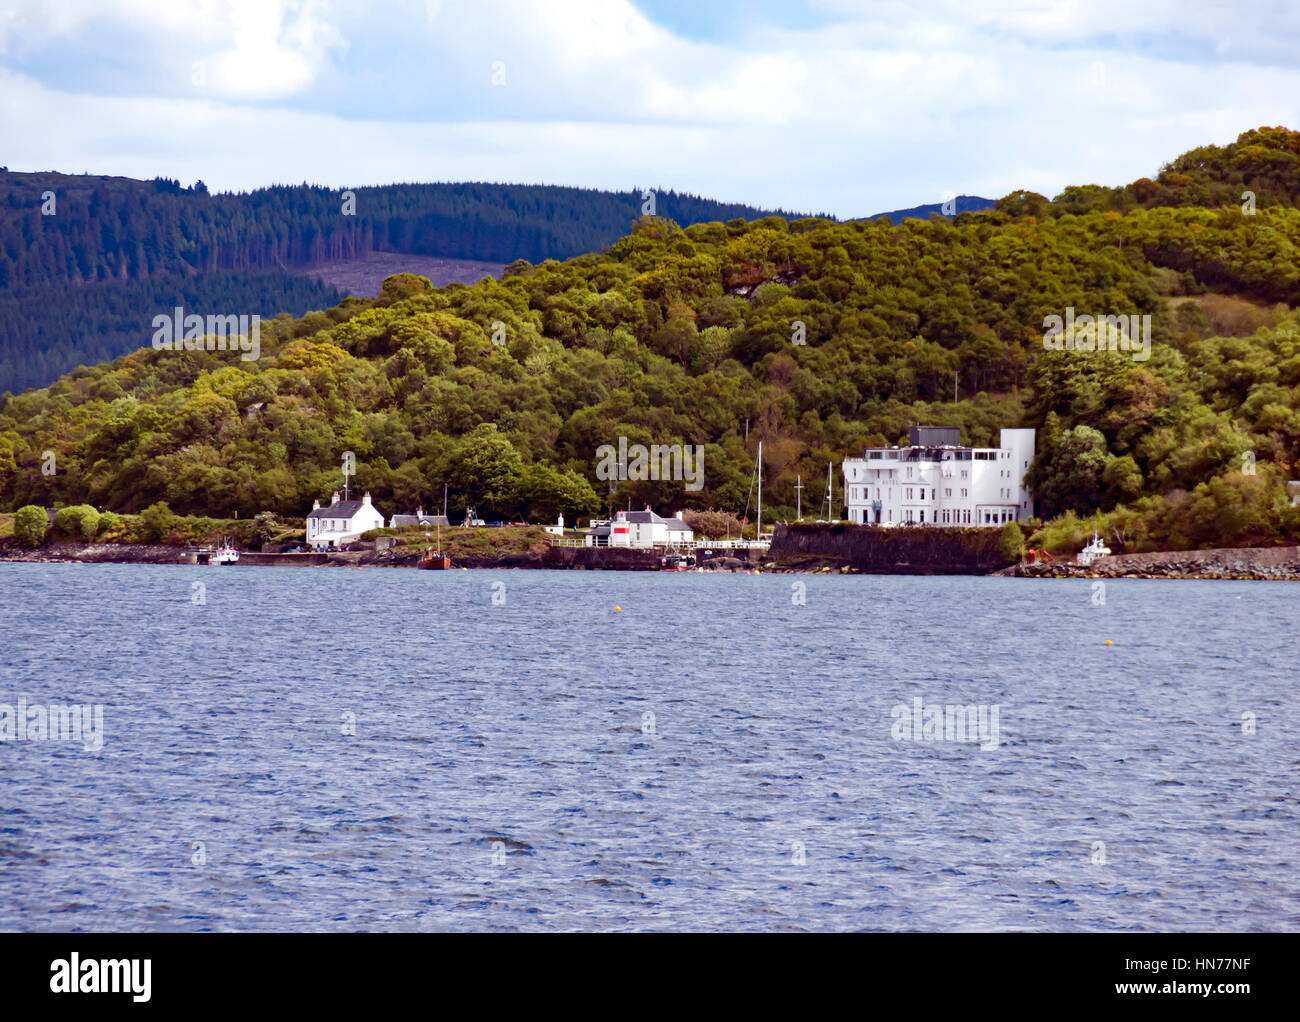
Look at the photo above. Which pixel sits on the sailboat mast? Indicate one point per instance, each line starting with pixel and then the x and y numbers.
pixel 758 533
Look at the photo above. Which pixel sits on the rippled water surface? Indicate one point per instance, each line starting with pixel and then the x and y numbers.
pixel 712 755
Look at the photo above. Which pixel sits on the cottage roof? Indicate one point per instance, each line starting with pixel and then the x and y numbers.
pixel 648 517
pixel 399 520
pixel 339 509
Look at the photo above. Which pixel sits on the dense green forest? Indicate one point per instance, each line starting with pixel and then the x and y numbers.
pixel 687 334
pixel 97 232
pixel 47 329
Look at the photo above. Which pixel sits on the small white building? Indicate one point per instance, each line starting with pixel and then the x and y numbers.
pixel 936 481
pixel 343 522
pixel 640 530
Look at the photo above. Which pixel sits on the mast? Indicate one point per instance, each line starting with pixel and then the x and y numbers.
pixel 758 534
pixel 798 498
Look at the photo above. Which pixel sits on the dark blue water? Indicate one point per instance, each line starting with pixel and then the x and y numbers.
pixel 504 772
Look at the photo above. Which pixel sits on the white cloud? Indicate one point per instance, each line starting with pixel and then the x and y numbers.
pixel 885 106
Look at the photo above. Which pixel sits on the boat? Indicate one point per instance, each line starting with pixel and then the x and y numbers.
pixel 433 559
pixel 223 554
pixel 677 562
pixel 1092 551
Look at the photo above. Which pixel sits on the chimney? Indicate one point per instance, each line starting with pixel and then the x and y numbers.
pixel 366 498
pixel 315 505
pixel 560 522
pixel 334 498
pixel 419 512
pixel 679 516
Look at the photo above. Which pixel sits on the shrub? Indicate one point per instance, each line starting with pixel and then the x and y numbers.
pixel 109 523
pixel 1011 542
pixel 30 524
pixel 156 522
pixel 81 521
pixel 712 524
pixel 264 529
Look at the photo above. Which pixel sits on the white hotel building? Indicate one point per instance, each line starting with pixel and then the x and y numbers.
pixel 936 481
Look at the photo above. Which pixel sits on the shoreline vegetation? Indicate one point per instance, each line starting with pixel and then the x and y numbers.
pixel 834 549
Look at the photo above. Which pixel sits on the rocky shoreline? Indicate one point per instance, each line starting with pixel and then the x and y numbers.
pixel 1246 563
pixel 1243 563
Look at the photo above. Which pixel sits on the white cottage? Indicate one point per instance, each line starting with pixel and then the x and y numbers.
pixel 641 530
pixel 343 522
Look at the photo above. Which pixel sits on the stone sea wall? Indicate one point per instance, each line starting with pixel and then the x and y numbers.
pixel 900 550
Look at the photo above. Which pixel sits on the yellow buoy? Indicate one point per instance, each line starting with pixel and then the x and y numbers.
pixel 617 607
pixel 1109 643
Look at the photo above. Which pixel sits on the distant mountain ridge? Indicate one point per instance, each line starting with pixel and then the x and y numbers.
pixel 961 204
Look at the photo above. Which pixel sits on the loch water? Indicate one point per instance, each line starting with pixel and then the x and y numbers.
pixel 333 749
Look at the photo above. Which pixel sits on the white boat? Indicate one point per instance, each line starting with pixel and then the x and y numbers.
pixel 1092 551
pixel 224 554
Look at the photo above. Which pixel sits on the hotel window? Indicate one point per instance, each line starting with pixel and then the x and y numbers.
pixel 963 492
pixel 947 491
pixel 922 514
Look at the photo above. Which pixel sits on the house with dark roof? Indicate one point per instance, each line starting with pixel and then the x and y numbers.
pixel 419 518
pixel 343 522
pixel 640 530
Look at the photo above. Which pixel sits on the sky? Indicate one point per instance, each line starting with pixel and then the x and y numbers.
pixel 850 107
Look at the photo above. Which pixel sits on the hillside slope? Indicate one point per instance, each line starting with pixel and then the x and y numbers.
pixel 690 335
pixel 68 244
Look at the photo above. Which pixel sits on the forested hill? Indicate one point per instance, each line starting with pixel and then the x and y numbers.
pixel 692 335
pixel 112 228
pixel 86 262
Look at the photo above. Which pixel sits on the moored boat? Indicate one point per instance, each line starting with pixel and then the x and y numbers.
pixel 434 560
pixel 1092 551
